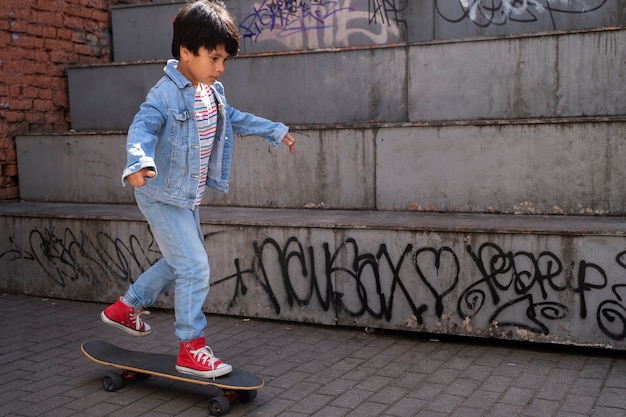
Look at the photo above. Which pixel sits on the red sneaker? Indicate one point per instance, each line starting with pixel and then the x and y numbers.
pixel 195 358
pixel 127 318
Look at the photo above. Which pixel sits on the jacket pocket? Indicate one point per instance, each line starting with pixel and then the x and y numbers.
pixel 180 128
pixel 175 151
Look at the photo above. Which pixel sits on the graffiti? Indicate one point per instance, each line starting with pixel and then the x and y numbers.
pixel 314 24
pixel 294 261
pixel 333 22
pixel 388 12
pixel 288 17
pixel 515 289
pixel 484 13
pixel 529 277
pixel 611 315
pixel 70 257
pixel 486 285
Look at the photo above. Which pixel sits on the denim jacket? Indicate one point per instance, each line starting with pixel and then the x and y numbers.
pixel 164 137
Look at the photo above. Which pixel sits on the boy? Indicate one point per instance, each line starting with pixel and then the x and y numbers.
pixel 180 141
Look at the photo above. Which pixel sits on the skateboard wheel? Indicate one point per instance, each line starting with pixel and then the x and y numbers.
pixel 219 406
pixel 246 396
pixel 112 382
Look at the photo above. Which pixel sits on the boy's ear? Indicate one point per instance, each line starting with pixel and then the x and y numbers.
pixel 184 53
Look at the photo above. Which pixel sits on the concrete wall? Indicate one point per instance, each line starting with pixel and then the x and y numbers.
pixel 529 77
pixel 566 168
pixel 107 97
pixel 141 33
pixel 527 168
pixel 560 281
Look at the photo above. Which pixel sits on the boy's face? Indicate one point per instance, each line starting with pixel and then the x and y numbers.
pixel 206 67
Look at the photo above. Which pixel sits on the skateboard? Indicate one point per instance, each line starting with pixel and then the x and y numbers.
pixel 236 386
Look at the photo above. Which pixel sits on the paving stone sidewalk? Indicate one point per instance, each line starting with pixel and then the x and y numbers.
pixel 308 370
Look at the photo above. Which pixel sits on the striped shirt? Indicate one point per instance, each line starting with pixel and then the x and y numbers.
pixel 206 120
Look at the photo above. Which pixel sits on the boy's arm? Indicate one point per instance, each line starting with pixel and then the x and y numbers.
pixel 249 124
pixel 245 124
pixel 141 141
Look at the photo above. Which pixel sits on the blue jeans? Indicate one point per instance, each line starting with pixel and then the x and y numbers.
pixel 184 266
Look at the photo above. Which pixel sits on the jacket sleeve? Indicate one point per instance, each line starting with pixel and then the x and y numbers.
pixel 248 124
pixel 143 134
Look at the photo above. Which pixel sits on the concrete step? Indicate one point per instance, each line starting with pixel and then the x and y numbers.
pixel 144 32
pixel 558 75
pixel 552 279
pixel 557 166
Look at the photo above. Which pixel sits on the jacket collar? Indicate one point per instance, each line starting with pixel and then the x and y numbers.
pixel 179 79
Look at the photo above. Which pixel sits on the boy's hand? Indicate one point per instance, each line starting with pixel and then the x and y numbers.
pixel 140 178
pixel 291 142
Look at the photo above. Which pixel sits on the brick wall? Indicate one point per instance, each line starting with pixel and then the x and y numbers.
pixel 38 40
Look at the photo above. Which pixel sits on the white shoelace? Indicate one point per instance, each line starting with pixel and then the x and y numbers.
pixel 134 317
pixel 204 355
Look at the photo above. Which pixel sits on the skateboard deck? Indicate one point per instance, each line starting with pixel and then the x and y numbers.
pixel 238 385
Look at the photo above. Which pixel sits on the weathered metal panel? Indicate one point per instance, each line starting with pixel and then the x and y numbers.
pixel 525 283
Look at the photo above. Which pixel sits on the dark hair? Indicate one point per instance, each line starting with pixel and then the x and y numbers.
pixel 205 23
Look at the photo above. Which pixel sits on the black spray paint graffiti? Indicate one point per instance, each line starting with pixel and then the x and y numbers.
pixel 387 12
pixel 527 276
pixel 516 289
pixel 320 286
pixel 484 13
pixel 611 314
pixel 69 257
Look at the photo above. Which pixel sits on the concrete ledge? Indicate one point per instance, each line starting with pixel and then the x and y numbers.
pixel 501 78
pixel 106 97
pixel 144 31
pixel 341 219
pixel 564 166
pixel 549 279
